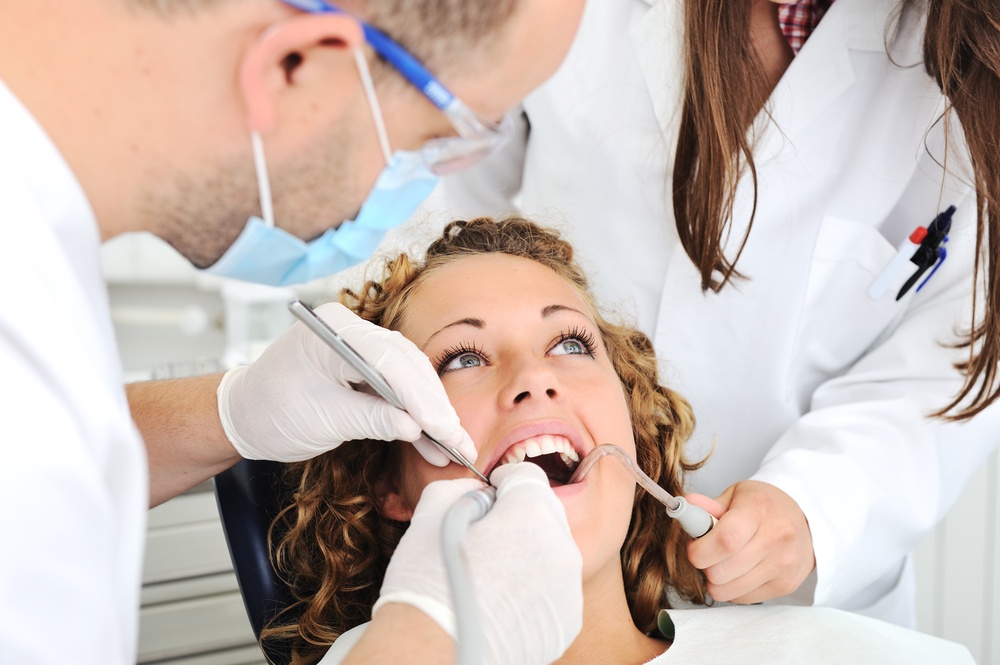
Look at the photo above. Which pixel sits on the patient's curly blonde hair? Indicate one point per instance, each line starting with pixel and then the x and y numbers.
pixel 333 542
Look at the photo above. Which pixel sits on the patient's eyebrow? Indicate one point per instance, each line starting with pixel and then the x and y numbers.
pixel 547 311
pixel 468 321
pixel 552 309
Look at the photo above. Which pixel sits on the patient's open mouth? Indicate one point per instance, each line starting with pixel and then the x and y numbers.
pixel 553 453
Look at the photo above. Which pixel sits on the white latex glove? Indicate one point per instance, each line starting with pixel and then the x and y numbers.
pixel 296 400
pixel 525 565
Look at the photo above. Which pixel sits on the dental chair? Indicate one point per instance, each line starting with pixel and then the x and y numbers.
pixel 248 495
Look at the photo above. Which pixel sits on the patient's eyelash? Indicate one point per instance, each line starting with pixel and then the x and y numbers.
pixel 582 335
pixel 442 361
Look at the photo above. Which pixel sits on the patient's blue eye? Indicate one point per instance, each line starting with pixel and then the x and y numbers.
pixel 575 342
pixel 569 346
pixel 459 357
pixel 463 361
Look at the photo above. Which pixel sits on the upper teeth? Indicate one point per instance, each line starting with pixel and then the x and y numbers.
pixel 543 444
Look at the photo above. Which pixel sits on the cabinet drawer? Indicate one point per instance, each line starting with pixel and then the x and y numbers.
pixel 184 538
pixel 195 626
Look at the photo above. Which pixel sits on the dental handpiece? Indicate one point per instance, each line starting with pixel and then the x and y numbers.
pixel 371 376
pixel 694 520
pixel 471 506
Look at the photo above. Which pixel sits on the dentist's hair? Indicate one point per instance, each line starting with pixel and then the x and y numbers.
pixel 439 32
pixel 333 542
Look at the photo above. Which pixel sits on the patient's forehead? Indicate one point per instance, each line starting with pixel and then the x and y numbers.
pixel 487 286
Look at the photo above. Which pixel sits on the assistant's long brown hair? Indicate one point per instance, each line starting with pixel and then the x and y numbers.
pixel 724 89
pixel 333 542
pixel 962 52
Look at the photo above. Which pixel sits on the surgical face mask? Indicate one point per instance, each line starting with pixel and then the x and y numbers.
pixel 266 254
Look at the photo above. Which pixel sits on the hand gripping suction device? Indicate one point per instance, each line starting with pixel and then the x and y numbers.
pixel 694 520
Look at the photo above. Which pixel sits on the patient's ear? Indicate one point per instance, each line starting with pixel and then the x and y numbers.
pixel 394 504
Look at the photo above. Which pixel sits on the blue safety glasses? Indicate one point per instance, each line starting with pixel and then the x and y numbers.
pixel 477 137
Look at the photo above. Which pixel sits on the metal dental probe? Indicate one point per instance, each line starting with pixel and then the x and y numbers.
pixel 371 376
pixel 694 520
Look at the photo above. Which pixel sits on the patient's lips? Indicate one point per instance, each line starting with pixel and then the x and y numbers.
pixel 552 452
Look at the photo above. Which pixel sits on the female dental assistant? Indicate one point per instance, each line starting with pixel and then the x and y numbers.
pixel 811 395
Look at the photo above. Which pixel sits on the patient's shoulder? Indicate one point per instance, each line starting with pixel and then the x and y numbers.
pixel 343 645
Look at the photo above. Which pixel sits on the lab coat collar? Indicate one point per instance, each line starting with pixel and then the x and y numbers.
pixel 868 24
pixel 866 20
pixel 658 41
pixel 820 73
pixel 824 70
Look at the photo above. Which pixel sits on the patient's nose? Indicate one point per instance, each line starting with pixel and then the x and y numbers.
pixel 532 381
pixel 520 397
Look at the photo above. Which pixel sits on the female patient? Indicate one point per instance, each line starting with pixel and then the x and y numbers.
pixel 536 374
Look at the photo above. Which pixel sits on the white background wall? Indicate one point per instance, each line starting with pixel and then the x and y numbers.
pixel 958 570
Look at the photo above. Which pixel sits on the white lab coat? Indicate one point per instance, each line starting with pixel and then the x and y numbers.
pixel 74 492
pixel 796 376
pixel 757 635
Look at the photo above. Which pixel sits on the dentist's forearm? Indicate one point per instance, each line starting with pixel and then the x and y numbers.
pixel 402 634
pixel 185 442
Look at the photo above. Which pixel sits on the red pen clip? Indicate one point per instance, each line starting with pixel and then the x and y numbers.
pixel 888 276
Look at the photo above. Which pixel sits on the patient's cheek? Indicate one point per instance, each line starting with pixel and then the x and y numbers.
pixel 418 473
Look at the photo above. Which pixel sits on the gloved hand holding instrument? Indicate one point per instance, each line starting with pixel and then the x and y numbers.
pixel 527 589
pixel 298 399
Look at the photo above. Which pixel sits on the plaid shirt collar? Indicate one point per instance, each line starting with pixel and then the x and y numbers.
pixel 799 19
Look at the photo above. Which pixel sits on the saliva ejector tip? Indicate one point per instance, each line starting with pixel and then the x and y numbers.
pixel 694 520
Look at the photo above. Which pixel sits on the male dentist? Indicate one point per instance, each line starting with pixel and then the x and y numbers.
pixel 244 133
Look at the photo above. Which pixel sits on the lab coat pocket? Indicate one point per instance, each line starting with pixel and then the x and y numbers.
pixel 839 322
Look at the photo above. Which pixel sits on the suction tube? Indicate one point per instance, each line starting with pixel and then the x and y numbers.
pixel 471 507
pixel 694 520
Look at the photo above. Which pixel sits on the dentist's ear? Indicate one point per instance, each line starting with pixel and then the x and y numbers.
pixel 298 61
